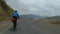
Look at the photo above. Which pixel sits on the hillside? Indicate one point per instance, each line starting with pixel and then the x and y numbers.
pixel 55 17
pixel 5 11
pixel 53 20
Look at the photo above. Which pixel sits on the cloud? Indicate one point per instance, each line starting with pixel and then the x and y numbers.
pixel 37 7
pixel 28 1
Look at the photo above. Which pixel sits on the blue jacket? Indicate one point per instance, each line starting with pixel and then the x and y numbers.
pixel 15 14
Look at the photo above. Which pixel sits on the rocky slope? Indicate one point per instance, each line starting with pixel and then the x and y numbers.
pixel 5 11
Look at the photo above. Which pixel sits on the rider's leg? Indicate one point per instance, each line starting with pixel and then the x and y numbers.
pixel 14 25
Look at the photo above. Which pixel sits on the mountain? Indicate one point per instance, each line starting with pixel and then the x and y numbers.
pixel 30 16
pixel 55 17
pixel 5 11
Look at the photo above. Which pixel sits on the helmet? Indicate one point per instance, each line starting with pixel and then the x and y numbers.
pixel 15 11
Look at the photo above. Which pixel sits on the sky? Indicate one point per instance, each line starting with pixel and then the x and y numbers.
pixel 36 7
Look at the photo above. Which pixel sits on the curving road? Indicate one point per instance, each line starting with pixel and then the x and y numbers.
pixel 30 27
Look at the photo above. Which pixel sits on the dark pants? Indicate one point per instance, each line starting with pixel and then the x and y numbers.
pixel 14 20
pixel 14 25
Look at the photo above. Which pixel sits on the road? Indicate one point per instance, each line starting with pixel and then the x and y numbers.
pixel 30 27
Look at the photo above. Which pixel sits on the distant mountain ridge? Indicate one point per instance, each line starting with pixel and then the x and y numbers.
pixel 38 17
pixel 30 16
pixel 55 17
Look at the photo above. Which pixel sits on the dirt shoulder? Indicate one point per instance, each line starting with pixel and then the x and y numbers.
pixel 49 22
pixel 4 25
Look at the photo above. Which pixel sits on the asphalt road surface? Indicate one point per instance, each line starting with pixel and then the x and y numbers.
pixel 26 26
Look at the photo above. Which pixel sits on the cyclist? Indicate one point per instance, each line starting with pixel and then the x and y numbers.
pixel 14 19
